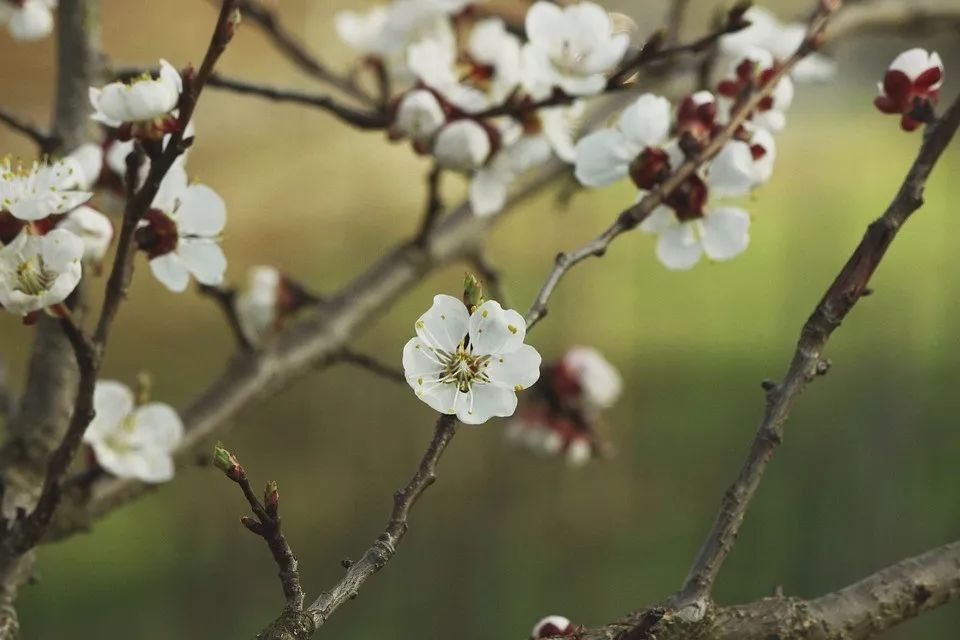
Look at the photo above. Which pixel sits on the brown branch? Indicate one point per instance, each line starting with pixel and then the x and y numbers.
pixel 385 546
pixel 856 612
pixel 44 140
pixel 225 298
pixel 895 16
pixel 434 206
pixel 371 364
pixel 266 524
pixel 808 360
pixel 634 215
pixel 676 16
pixel 7 400
pixel 356 117
pixel 297 52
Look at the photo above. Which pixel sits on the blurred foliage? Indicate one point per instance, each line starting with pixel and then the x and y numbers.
pixel 867 474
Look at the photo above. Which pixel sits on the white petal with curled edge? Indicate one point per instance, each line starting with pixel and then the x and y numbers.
pixel 202 212
pixel 520 368
pixel 725 232
pixel 445 324
pixel 646 122
pixel 154 466
pixel 603 157
pixel 158 426
pixel 677 247
pixel 486 401
pixel 112 402
pixel 495 330
pixel 204 259
pixel 488 191
pixel 170 271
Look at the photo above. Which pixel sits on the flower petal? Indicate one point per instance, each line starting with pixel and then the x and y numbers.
pixel 203 258
pixel 112 402
pixel 646 122
pixel 520 368
pixel 158 426
pixel 603 157
pixel 677 247
pixel 445 324
pixel 725 232
pixel 485 401
pixel 169 270
pixel 495 330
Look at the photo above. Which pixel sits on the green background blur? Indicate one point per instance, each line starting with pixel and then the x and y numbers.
pixel 868 473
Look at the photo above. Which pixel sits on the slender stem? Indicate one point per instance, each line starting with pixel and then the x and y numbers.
pixel 44 140
pixel 225 298
pixel 434 206
pixel 371 364
pixel 849 286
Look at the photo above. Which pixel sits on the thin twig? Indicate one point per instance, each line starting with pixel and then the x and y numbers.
pixel 371 364
pixel 267 525
pixel 676 15
pixel 356 117
pixel 225 298
pixel 434 206
pixel 630 218
pixel 808 361
pixel 44 140
pixel 385 546
pixel 6 392
pixel 290 46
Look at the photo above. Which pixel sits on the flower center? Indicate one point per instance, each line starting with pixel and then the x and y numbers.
pixel 568 56
pixel 463 368
pixel 33 278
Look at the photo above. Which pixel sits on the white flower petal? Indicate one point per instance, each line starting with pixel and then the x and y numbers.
pixel 646 122
pixel 202 212
pixel 112 403
pixel 603 157
pixel 519 368
pixel 485 401
pixel 725 232
pixel 445 324
pixel 203 258
pixel 677 247
pixel 495 330
pixel 170 271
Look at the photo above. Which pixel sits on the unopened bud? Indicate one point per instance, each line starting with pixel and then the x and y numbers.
pixel 472 292
pixel 227 462
pixel 552 626
pixel 271 498
pixel 144 388
pixel 233 22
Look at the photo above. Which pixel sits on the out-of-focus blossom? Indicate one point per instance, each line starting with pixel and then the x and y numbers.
pixel 605 156
pixel 93 228
pixel 41 190
pixel 419 116
pixel 911 87
pixel 572 48
pixel 561 416
pixel 267 301
pixel 181 233
pixel 87 159
pixel 756 69
pixel 463 145
pixel 552 626
pixel 470 365
pixel 494 58
pixel 142 106
pixel 37 272
pixel 130 441
pixel 28 19
pixel 780 40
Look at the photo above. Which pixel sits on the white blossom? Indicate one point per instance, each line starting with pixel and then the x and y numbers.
pixel 132 441
pixel 740 166
pixel 43 189
pixel 572 48
pixel 29 19
pixel 37 272
pixel 605 156
pixel 142 99
pixel 721 233
pixel 186 220
pixel 87 159
pixel 470 365
pixel 551 626
pixel 463 145
pixel 93 228
pixel 257 305
pixel 434 63
pixel 911 81
pixel 599 381
pixel 419 115
pixel 490 183
pixel 780 40
pixel 579 452
pixel 492 46
pixel 740 73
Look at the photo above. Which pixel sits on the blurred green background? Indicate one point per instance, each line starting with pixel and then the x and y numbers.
pixel 868 473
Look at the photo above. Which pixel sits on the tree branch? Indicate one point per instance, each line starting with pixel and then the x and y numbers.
pixel 45 141
pixel 859 611
pixel 434 205
pixel 808 360
pixel 225 298
pixel 371 364
pixel 297 52
pixel 895 16
pixel 356 117
pixel 266 524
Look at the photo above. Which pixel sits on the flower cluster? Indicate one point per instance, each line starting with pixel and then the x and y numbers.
pixel 911 87
pixel 142 107
pixel 464 71
pixel 563 414
pixel 28 19
pixel 131 439
pixel 651 140
pixel 470 362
